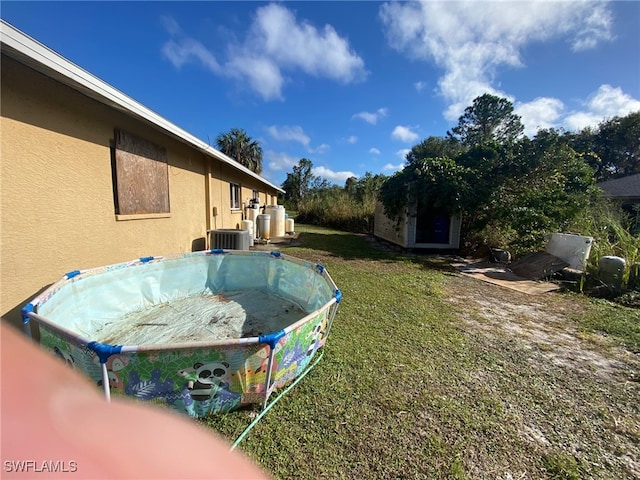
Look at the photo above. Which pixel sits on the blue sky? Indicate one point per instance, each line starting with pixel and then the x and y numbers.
pixel 352 86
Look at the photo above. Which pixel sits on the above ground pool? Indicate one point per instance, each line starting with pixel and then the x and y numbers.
pixel 204 332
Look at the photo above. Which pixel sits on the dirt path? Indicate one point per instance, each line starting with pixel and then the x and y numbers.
pixel 581 394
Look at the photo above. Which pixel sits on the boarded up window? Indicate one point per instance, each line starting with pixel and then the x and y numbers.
pixel 141 176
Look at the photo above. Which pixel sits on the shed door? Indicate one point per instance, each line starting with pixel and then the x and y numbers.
pixel 433 226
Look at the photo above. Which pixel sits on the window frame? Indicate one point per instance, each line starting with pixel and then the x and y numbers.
pixel 235 196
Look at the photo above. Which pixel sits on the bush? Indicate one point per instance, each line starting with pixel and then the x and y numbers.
pixel 337 209
pixel 611 229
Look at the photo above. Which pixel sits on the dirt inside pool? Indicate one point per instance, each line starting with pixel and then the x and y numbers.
pixel 205 317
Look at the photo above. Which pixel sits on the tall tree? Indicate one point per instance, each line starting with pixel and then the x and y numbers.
pixel 242 148
pixel 612 149
pixel 434 147
pixel 617 143
pixel 350 185
pixel 489 119
pixel 298 182
pixel 367 187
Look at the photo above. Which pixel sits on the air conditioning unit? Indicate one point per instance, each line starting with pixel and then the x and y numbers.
pixel 230 239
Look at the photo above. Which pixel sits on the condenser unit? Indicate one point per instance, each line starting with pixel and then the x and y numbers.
pixel 230 239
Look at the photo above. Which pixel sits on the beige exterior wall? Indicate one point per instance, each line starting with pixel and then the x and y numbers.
pixel 56 188
pixel 387 229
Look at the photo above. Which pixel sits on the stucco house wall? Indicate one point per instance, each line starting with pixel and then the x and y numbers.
pixel 57 203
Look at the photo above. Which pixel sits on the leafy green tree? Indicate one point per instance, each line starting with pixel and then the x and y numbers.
pixel 350 185
pixel 242 148
pixel 510 194
pixel 428 182
pixel 299 182
pixel 489 119
pixel 546 185
pixel 584 143
pixel 617 144
pixel 435 147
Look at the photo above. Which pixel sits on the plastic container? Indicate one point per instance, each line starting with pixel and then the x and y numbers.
pixel 251 213
pixel 264 226
pixel 277 219
pixel 248 225
pixel 573 249
pixel 610 270
pixel 289 226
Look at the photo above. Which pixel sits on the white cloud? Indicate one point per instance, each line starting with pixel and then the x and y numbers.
pixel 263 75
pixel 372 117
pixel 374 151
pixel 419 86
pixel 541 113
pixel 186 50
pixel 402 153
pixel 289 133
pixel 337 177
pixel 171 25
pixel 322 53
pixel 389 167
pixel 276 44
pixel 295 133
pixel 279 161
pixel 607 102
pixel 352 139
pixel 322 148
pixel 596 28
pixel 471 40
pixel 404 134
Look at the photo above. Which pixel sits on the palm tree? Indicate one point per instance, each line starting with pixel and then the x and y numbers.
pixel 242 148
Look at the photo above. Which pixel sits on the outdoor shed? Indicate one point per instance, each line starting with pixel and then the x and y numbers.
pixel 91 177
pixel 434 229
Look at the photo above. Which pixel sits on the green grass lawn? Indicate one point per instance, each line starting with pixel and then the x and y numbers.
pixel 406 389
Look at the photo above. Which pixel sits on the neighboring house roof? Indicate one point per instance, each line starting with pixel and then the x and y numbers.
pixel 37 56
pixel 625 188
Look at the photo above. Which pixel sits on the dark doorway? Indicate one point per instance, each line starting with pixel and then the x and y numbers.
pixel 433 226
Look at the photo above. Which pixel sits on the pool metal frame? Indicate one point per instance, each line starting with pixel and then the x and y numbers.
pixel 274 341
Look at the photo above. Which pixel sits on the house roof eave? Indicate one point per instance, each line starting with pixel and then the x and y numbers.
pixel 41 58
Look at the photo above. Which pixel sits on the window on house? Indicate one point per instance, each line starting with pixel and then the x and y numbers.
pixel 140 176
pixel 235 196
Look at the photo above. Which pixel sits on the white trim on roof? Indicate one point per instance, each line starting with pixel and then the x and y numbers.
pixel 46 61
